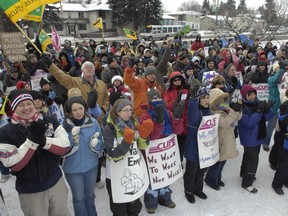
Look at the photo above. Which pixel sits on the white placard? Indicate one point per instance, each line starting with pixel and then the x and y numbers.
pixel 35 79
pixel 163 162
pixel 207 137
pixel 282 86
pixel 262 91
pixel 57 112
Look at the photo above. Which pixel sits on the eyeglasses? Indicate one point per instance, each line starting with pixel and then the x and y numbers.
pixel 176 80
pixel 127 110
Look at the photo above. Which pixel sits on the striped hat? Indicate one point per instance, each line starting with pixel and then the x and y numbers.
pixel 17 96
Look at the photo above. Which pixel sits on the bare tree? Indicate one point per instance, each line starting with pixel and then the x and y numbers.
pixel 190 5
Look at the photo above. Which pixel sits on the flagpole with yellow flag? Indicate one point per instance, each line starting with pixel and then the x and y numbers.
pixel 99 24
pixel 130 33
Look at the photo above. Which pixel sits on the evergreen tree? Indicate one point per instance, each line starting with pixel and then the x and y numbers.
pixel 222 9
pixel 230 7
pixel 242 7
pixel 269 13
pixel 206 7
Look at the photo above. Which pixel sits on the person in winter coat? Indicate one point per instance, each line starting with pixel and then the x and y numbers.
pixel 33 145
pixel 178 92
pixel 86 142
pixel 226 56
pixel 165 123
pixel 198 106
pixel 252 131
pixel 122 128
pixel 118 85
pixel 219 104
pixel 181 63
pixel 112 69
pixel 260 75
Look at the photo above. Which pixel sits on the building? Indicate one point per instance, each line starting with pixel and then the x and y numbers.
pixel 191 18
pixel 208 22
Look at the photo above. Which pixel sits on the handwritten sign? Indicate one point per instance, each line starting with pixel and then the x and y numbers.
pixel 262 91
pixel 13 45
pixel 207 138
pixel 35 80
pixel 163 162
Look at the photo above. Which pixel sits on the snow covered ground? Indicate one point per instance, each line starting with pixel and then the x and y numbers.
pixel 231 200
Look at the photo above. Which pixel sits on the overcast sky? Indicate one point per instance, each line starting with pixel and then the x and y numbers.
pixel 172 5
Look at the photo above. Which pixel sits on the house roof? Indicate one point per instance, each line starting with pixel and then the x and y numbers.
pixel 165 16
pixel 183 12
pixel 83 7
pixel 214 17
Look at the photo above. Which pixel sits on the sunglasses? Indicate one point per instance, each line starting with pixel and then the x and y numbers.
pixel 176 80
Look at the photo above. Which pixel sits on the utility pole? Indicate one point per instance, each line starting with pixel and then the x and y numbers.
pixel 217 13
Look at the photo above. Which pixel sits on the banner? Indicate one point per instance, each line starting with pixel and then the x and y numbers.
pixel 55 38
pixel 207 137
pixel 130 34
pixel 44 40
pixel 129 176
pixel 35 79
pixel 57 112
pixel 13 45
pixel 98 23
pixel 163 162
pixel 282 86
pixel 262 91
pixel 207 79
pixel 35 15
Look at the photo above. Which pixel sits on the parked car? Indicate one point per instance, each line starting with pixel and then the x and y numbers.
pixel 193 34
pixel 282 30
pixel 154 35
pixel 224 34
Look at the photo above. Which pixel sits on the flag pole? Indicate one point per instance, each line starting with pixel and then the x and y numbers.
pixel 102 33
pixel 21 30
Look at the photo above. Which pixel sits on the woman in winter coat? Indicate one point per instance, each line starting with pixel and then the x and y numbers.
pixel 80 165
pixel 177 91
pixel 165 123
pixel 219 104
pixel 252 131
pixel 260 75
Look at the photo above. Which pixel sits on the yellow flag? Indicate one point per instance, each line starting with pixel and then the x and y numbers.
pixel 130 33
pixel 98 23
pixel 44 40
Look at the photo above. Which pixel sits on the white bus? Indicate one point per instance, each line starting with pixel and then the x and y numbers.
pixel 169 29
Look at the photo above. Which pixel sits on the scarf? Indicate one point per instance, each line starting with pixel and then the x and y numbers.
pixel 167 130
pixel 26 122
pixel 224 106
pixel 121 124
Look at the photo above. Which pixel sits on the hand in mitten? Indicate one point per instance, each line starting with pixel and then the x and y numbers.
pixel 179 96
pixel 94 140
pixel 194 87
pixel 75 134
pixel 92 98
pixel 52 95
pixel 159 113
pixel 46 60
pixel 128 135
pixel 145 128
pixel 36 132
pixel 178 109
pixel 234 81
pixel 261 105
pixel 236 106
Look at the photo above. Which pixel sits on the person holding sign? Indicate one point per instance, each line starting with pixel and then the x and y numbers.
pixel 198 106
pixel 126 173
pixel 219 104
pixel 165 123
pixel 252 131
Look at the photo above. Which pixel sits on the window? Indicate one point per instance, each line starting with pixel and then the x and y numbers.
pixel 82 26
pixel 69 15
pixel 101 14
pixel 81 14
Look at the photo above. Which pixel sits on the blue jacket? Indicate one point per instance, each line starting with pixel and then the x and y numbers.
pixel 84 159
pixel 248 125
pixel 194 119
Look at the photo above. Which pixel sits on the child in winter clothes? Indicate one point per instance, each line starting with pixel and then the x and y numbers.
pixel 219 104
pixel 165 123
pixel 252 131
pixel 80 165
pixel 198 106
pixel 118 85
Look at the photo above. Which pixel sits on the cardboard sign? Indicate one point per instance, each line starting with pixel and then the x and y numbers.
pixel 207 137
pixel 163 162
pixel 35 80
pixel 262 91
pixel 13 45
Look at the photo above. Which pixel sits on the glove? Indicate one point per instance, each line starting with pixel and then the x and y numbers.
pixel 52 95
pixel 75 134
pixel 46 60
pixel 92 98
pixel 236 106
pixel 159 112
pixel 178 109
pixel 179 96
pixel 36 132
pixel 234 81
pixel 194 87
pixel 128 135
pixel 262 106
pixel 145 128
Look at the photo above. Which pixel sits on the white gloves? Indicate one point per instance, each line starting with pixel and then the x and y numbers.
pixel 75 134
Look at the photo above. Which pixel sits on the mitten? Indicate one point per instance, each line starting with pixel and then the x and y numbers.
pixel 145 128
pixel 52 95
pixel 36 132
pixel 236 106
pixel 94 140
pixel 96 146
pixel 92 98
pixel 75 134
pixel 128 135
pixel 178 109
pixel 46 60
pixel 194 87
pixel 261 106
pixel 159 113
pixel 234 81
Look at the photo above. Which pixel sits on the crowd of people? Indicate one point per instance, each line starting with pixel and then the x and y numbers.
pixel 94 104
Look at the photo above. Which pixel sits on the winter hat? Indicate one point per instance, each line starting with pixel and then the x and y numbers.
pixel 150 70
pixel 246 90
pixel 111 59
pixel 115 96
pixel 202 91
pixel 43 82
pixel 36 95
pixel 148 61
pixel 145 50
pixel 123 103
pixel 210 59
pixel 153 94
pixel 73 100
pixel 183 56
pixel 194 59
pixel 74 92
pixel 175 74
pixel 21 84
pixel 117 77
pixel 261 63
pixel 239 48
pixel 17 96
pixel 216 96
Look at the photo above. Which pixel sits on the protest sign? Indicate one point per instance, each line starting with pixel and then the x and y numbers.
pixel 262 91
